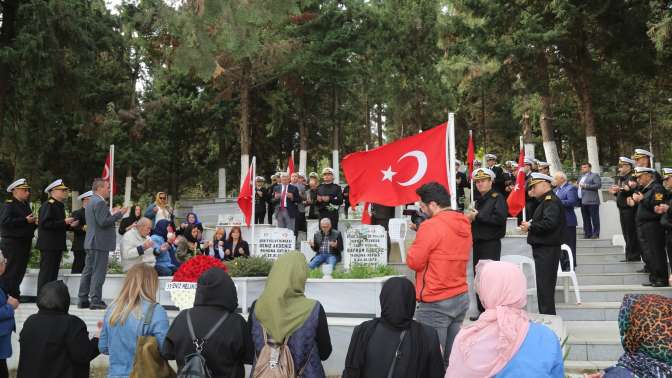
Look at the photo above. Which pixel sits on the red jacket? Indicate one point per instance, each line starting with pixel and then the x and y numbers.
pixel 439 256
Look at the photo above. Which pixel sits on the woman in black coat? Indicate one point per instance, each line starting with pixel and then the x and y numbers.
pixel 235 246
pixel 230 347
pixel 54 343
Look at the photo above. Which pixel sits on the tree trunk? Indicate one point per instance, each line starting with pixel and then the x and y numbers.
pixel 367 117
pixel 335 136
pixel 379 122
pixel 527 134
pixel 7 35
pixel 545 123
pixel 303 137
pixel 245 120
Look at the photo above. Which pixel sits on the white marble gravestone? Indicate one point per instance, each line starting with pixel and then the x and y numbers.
pixel 274 242
pixel 365 245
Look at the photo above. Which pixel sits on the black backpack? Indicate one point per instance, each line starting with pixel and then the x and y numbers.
pixel 195 365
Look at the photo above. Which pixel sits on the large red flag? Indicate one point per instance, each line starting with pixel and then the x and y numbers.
pixel 470 155
pixel 516 200
pixel 390 174
pixel 107 168
pixel 366 215
pixel 245 196
pixel 290 164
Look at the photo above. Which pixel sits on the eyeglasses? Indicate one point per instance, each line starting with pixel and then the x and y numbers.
pixel 162 198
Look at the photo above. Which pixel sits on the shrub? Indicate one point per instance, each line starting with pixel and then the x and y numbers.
pixel 358 272
pixel 249 267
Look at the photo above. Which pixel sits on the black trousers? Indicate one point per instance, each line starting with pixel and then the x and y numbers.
pixel 485 250
pixel 78 262
pixel 570 240
pixel 546 260
pixel 652 240
pixel 270 214
pixel 17 253
pixel 4 372
pixel 332 215
pixel 50 262
pixel 260 216
pixel 300 223
pixel 629 230
pixel 385 222
pixel 668 247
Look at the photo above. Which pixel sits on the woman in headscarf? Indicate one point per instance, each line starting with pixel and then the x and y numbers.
pixel 190 244
pixel 226 351
pixel 127 223
pixel 645 324
pixel 190 220
pixel 53 342
pixel 376 343
pixel 163 238
pixel 503 342
pixel 283 311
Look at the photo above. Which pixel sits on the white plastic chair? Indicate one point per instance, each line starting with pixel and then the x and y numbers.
pixel 618 240
pixel 571 274
pixel 397 230
pixel 521 261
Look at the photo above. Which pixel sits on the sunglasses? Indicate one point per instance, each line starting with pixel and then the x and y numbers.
pixel 162 198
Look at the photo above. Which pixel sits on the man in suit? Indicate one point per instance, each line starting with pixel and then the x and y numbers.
pixel 79 232
pixel 260 199
pixel 52 227
pixel 545 233
pixel 17 228
pixel 101 238
pixel 568 195
pixel 589 184
pixel 285 198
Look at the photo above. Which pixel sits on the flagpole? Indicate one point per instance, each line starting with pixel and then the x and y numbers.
pixel 471 171
pixel 522 146
pixel 254 196
pixel 111 173
pixel 450 145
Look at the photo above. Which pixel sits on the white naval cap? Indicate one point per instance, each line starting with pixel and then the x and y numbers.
pixel 58 184
pixel 640 153
pixel 85 195
pixel 627 160
pixel 537 177
pixel 18 184
pixel 642 170
pixel 490 157
pixel 483 173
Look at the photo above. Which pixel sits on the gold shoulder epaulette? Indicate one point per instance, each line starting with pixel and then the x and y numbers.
pixel 494 194
pixel 9 201
pixel 51 200
pixel 659 196
pixel 548 197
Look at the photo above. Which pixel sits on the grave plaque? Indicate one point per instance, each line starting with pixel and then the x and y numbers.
pixel 365 245
pixel 273 242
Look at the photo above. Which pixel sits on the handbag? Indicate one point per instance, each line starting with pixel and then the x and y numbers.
pixel 148 362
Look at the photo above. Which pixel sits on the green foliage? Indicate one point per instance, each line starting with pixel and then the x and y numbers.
pixel 249 267
pixel 358 272
pixel 114 267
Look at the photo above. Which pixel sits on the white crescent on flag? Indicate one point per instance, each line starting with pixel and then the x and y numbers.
pixel 106 172
pixel 422 166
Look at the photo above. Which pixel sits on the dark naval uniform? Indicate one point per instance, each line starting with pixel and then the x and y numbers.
pixel 51 240
pixel 17 241
pixel 627 218
pixel 78 241
pixel 546 235
pixel 666 222
pixel 651 233
pixel 330 209
pixel 499 184
pixel 488 228
pixel 261 199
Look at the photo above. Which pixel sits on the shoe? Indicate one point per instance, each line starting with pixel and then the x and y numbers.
pixel 631 260
pixel 660 284
pixel 587 237
pixel 98 306
pixel 643 271
pixel 83 304
pixel 473 318
pixel 647 284
pixel 595 237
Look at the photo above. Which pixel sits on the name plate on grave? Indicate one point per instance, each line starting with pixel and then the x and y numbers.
pixel 365 245
pixel 273 242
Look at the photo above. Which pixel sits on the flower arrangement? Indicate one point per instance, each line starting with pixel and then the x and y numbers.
pixel 191 270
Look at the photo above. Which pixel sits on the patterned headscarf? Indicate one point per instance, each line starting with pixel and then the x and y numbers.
pixel 645 325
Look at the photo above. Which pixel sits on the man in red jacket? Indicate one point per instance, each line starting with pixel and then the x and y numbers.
pixel 439 257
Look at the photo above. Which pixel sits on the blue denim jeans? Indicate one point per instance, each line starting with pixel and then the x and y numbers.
pixel 321 259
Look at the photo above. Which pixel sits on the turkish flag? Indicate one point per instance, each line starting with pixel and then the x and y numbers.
pixel 245 196
pixel 516 200
pixel 107 168
pixel 366 214
pixel 390 174
pixel 470 155
pixel 290 164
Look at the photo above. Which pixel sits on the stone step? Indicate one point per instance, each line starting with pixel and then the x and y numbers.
pixel 580 242
pixel 609 267
pixel 609 293
pixel 589 250
pixel 612 278
pixel 595 311
pixel 593 341
pixel 599 257
pixel 579 368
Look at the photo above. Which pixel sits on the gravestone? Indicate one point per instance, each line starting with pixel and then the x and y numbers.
pixel 273 242
pixel 365 245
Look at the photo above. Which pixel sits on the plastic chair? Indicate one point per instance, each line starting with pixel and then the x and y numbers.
pixel 571 274
pixel 521 261
pixel 618 240
pixel 397 230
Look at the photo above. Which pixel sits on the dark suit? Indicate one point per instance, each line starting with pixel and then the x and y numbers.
pixel 235 250
pixel 286 213
pixel 51 240
pixel 568 195
pixel 260 201
pixel 330 209
pixel 17 241
pixel 78 241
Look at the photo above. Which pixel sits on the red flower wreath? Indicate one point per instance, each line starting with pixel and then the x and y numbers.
pixel 192 269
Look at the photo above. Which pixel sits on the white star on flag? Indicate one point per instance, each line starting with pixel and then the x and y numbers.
pixel 387 175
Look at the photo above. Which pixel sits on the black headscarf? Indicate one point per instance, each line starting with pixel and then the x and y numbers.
pixel 397 303
pixel 187 233
pixel 161 228
pixel 216 288
pixel 54 297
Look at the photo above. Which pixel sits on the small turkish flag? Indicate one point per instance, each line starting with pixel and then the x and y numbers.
pixel 390 174
pixel 290 164
pixel 516 200
pixel 245 196
pixel 470 155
